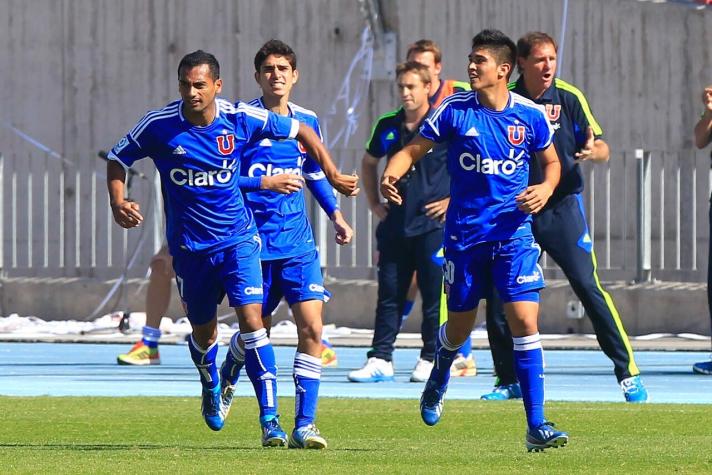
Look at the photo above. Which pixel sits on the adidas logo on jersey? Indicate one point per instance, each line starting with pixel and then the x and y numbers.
pixel 487 166
pixel 472 132
pixel 179 150
pixel 265 143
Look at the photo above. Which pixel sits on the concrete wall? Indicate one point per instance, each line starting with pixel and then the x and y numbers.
pixel 644 309
pixel 77 74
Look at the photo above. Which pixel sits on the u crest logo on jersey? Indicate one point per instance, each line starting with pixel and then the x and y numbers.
pixel 553 111
pixel 515 134
pixel 226 144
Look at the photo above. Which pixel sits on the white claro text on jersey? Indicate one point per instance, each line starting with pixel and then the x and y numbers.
pixel 190 177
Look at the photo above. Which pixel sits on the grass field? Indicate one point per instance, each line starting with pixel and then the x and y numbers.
pixel 144 435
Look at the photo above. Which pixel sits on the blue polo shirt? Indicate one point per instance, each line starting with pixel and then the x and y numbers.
pixel 569 114
pixel 427 181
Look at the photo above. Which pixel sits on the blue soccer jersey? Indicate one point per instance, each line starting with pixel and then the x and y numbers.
pixel 282 219
pixel 199 169
pixel 488 161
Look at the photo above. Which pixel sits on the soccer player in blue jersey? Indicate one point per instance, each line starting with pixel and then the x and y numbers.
pixel 196 144
pixel 492 135
pixel 560 228
pixel 290 261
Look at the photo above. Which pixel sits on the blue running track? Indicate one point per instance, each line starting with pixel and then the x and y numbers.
pixel 35 369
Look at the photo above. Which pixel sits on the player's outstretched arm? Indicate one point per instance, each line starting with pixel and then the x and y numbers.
pixel 534 198
pixel 344 184
pixel 400 163
pixel 703 128
pixel 593 149
pixel 325 196
pixel 126 213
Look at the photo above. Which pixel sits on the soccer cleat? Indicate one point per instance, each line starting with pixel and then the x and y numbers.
pixel 306 437
pixel 227 392
pixel 272 433
pixel 211 408
pixel 140 355
pixel 504 392
pixel 421 372
pixel 545 436
pixel 431 402
pixel 328 355
pixel 375 370
pixel 633 390
pixel 462 366
pixel 703 367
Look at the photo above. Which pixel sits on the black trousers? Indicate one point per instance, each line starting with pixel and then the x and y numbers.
pixel 398 259
pixel 562 233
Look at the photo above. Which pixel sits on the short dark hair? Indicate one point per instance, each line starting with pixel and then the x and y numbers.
pixel 197 58
pixel 526 43
pixel 425 46
pixel 414 67
pixel 500 45
pixel 277 48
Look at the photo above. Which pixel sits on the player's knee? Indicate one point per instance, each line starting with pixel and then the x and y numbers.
pixel 311 332
pixel 160 269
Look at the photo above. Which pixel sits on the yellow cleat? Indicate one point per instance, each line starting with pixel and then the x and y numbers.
pixel 462 366
pixel 140 355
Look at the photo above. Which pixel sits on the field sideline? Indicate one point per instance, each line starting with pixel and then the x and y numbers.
pixel 167 434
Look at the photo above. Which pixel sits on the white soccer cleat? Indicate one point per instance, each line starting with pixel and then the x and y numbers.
pixel 375 371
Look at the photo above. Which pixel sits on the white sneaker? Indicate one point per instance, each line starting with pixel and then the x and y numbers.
pixel 421 372
pixel 375 370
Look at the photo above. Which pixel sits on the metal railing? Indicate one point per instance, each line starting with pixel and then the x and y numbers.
pixel 647 213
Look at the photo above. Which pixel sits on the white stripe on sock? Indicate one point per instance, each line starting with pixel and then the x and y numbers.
pixel 529 342
pixel 307 366
pixel 255 339
pixel 442 335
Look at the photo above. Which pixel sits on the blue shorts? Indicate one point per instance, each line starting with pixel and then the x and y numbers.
pixel 510 266
pixel 204 279
pixel 297 279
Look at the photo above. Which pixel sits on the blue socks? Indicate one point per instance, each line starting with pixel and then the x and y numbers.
pixel 204 360
pixel 234 361
pixel 529 365
pixel 262 371
pixel 307 376
pixel 444 356
pixel 151 336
